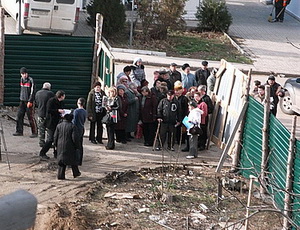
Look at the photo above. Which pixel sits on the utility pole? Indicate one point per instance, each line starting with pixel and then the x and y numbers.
pixel 19 17
pixel 131 24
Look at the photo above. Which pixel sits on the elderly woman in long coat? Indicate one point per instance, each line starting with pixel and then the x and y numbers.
pixel 133 109
pixel 67 141
pixel 123 113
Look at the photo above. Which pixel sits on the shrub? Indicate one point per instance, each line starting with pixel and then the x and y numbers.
pixel 113 15
pixel 158 17
pixel 213 16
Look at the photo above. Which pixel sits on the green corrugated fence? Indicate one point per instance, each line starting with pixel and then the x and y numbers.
pixel 250 158
pixel 64 61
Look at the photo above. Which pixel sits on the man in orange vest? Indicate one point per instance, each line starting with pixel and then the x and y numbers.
pixel 280 6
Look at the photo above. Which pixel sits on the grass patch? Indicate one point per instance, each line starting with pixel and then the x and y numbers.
pixel 205 46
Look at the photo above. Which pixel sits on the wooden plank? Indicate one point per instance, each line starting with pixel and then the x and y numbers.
pixel 289 176
pixel 225 107
pixel 2 42
pixel 231 138
pixel 18 210
pixel 95 68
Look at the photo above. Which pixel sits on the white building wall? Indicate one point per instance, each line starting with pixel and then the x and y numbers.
pixel 191 9
pixel 294 8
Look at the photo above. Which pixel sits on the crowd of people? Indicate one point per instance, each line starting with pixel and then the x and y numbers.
pixel 125 109
pixel 276 91
pixel 175 110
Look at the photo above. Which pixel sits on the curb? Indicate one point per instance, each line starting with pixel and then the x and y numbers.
pixel 256 72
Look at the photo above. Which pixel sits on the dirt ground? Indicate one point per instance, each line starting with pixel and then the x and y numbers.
pixel 168 197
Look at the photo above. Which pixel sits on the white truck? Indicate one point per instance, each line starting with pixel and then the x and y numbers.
pixel 49 16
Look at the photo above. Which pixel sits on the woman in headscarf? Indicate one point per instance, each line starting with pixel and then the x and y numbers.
pixel 148 115
pixel 123 113
pixel 138 71
pixel 133 109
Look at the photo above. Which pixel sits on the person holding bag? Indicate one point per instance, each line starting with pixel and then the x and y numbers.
pixel 112 107
pixel 194 118
pixel 96 112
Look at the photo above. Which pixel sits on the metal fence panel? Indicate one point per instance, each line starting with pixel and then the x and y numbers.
pixel 278 145
pixel 64 61
pixel 250 159
pixel 296 185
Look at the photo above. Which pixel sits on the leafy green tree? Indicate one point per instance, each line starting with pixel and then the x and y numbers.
pixel 213 16
pixel 158 17
pixel 113 15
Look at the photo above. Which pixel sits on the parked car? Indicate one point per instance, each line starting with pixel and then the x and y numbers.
pixel 50 16
pixel 290 102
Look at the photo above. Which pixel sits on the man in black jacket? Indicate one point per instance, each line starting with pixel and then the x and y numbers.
pixel 174 74
pixel 41 98
pixel 202 74
pixel 54 113
pixel 168 115
pixel 26 104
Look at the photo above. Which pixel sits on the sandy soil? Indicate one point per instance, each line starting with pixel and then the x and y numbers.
pixel 38 177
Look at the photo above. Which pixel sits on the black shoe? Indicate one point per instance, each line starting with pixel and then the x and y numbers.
pixel 108 148
pixel 201 148
pixel 157 149
pixel 44 157
pixel 77 175
pixel 17 134
pixel 34 135
pixel 94 142
pixel 128 139
pixel 171 148
pixel 185 150
pixel 119 141
pixel 124 142
pixel 147 144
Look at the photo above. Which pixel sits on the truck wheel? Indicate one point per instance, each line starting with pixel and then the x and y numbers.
pixel 286 104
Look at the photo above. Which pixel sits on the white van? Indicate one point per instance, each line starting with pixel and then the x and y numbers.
pixel 51 16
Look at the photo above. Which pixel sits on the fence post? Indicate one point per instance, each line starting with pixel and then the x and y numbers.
pixel 238 147
pixel 289 176
pixel 2 42
pixel 98 33
pixel 265 140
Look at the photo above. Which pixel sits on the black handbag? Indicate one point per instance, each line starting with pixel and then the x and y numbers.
pixel 196 130
pixel 107 119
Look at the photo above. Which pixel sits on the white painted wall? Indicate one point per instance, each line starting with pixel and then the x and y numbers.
pixel 191 9
pixel 294 8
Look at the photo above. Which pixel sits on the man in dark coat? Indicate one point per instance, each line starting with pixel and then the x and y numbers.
pixel 41 98
pixel 168 115
pixel 280 6
pixel 66 140
pixel 54 112
pixel 202 74
pixel 26 104
pixel 275 91
pixel 174 74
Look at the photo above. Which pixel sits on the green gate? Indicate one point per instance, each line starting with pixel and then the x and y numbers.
pixel 64 61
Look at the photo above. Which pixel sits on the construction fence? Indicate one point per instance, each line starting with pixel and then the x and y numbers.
pixel 277 161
